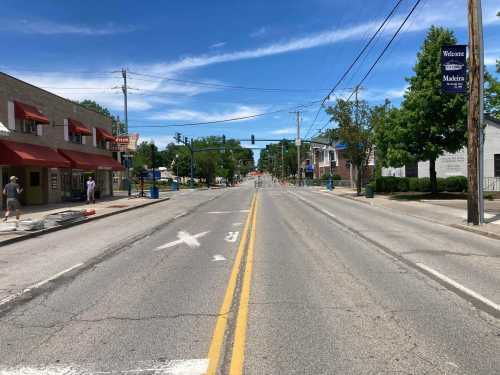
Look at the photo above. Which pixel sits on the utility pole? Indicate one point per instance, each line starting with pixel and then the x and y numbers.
pixel 191 184
pixel 475 204
pixel 125 110
pixel 298 143
pixel 356 114
pixel 282 162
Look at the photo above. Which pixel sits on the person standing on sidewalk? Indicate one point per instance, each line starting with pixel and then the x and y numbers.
pixel 90 190
pixel 12 191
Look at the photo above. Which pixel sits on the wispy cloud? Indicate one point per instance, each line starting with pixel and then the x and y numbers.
pixel 218 45
pixel 161 141
pixel 260 32
pixel 47 27
pixel 283 131
pixel 449 13
pixel 194 115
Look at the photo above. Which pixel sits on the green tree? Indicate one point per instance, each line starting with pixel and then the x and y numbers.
pixel 354 129
pixel 491 95
pixel 117 127
pixel 429 122
pixel 146 156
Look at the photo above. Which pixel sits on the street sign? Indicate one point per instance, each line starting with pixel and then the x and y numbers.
pixel 122 139
pixel 298 142
pixel 454 69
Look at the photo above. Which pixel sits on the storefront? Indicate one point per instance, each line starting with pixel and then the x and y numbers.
pixel 84 165
pixel 35 167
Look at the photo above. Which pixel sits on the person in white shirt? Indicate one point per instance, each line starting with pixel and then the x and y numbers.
pixel 90 190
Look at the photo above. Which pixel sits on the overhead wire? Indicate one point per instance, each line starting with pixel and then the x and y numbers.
pixel 384 22
pixel 381 54
pixel 220 85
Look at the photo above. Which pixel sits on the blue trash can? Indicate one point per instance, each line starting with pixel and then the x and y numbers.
pixel 154 192
pixel 174 186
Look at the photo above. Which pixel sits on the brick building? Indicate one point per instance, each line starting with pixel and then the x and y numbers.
pixel 329 159
pixel 52 144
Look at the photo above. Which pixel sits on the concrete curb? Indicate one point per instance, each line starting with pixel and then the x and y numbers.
pixel 52 283
pixel 464 227
pixel 37 233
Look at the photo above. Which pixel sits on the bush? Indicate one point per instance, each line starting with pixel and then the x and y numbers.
pixel 456 184
pixel 424 184
pixel 336 177
pixel 413 184
pixel 326 176
pixel 403 184
pixel 441 184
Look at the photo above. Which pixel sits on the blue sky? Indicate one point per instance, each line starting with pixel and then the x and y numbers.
pixel 74 49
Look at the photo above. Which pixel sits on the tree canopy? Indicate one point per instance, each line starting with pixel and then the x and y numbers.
pixel 429 121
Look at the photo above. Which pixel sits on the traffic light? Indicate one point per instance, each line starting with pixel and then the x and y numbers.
pixel 178 137
pixel 186 140
pixel 252 137
pixel 223 139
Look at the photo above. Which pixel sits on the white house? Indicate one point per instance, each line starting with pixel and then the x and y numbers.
pixel 456 164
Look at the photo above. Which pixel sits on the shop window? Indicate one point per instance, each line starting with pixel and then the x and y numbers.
pixel 497 165
pixel 34 179
pixel 75 138
pixel 101 143
pixel 27 126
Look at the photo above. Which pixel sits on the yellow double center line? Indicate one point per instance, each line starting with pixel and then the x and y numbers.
pixel 238 350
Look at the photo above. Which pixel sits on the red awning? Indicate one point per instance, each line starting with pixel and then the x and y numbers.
pixel 76 127
pixel 26 154
pixel 28 112
pixel 103 134
pixel 90 162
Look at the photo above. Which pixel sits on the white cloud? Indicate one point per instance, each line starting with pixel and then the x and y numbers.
pixel 218 45
pixel 161 141
pixel 448 13
pixel 46 27
pixel 200 116
pixel 284 131
pixel 261 31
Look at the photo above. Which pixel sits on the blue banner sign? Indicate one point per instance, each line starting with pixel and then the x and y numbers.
pixel 454 69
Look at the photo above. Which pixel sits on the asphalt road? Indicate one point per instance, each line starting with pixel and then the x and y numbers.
pixel 295 282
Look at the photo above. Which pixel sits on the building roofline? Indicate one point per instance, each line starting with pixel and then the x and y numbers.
pixel 57 96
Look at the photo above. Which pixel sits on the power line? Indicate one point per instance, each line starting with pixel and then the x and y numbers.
pixel 354 63
pixel 225 120
pixel 380 55
pixel 385 48
pixel 220 85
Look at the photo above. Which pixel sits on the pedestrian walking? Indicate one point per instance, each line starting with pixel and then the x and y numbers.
pixel 12 191
pixel 90 190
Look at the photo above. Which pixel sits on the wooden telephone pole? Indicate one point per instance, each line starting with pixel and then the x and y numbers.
pixel 475 114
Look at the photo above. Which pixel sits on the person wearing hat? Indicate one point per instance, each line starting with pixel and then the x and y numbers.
pixel 12 191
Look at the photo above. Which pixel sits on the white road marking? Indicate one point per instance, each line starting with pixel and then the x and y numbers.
pixel 460 287
pixel 237 224
pixel 38 285
pixel 180 215
pixel 184 237
pixel 175 367
pixel 226 212
pixel 232 236
pixel 218 258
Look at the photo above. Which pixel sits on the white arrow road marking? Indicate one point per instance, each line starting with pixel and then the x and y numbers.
pixel 218 258
pixel 232 236
pixel 175 367
pixel 184 237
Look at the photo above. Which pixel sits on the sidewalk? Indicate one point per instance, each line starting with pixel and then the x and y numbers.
pixel 452 212
pixel 103 208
